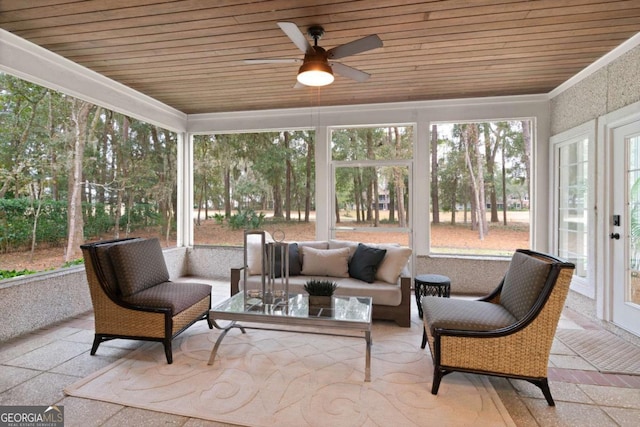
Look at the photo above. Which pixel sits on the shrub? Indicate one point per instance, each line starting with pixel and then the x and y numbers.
pixel 246 219
pixel 320 287
pixel 6 274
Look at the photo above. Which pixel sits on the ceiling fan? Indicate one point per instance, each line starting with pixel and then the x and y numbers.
pixel 318 64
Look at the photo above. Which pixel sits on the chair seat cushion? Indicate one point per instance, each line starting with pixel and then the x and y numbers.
pixel 176 296
pixel 466 315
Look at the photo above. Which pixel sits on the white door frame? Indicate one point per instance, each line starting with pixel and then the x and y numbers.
pixel 604 197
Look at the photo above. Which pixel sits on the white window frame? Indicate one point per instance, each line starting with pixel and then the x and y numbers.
pixel 585 286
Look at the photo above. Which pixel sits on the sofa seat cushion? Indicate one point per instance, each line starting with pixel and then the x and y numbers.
pixel 381 293
pixel 468 315
pixel 176 296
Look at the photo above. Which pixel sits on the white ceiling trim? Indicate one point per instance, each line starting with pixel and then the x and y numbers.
pixel 33 63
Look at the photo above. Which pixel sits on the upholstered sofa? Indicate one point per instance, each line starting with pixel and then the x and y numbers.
pixel 376 270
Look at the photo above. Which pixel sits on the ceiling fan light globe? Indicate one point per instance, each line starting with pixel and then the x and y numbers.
pixel 315 74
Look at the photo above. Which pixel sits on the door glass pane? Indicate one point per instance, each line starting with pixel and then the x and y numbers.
pixel 572 204
pixel 632 293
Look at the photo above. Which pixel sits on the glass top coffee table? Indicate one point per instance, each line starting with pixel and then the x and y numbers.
pixel 347 317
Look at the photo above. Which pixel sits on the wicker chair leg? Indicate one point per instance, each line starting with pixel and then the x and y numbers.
pixel 424 338
pixel 96 342
pixel 167 350
pixel 437 377
pixel 543 384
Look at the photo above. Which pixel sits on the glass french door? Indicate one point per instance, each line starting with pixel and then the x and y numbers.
pixel 625 227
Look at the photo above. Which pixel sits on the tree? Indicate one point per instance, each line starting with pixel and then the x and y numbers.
pixel 475 166
pixel 79 115
pixel 435 203
pixel 399 185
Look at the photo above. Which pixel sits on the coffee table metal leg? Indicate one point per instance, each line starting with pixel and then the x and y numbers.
pixel 367 367
pixel 224 332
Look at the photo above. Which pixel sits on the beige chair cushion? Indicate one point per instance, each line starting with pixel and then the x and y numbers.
pixel 325 262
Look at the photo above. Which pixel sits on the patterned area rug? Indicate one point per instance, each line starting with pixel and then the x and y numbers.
pixel 604 350
pixel 265 378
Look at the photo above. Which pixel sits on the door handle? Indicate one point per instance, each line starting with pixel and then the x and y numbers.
pixel 615 236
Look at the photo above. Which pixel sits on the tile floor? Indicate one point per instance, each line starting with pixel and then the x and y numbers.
pixel 36 367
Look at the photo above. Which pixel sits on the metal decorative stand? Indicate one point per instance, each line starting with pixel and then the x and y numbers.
pixel 274 291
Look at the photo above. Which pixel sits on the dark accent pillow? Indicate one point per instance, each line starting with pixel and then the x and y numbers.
pixel 365 261
pixel 294 261
pixel 138 265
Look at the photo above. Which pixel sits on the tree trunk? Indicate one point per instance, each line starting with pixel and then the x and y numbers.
pixel 392 204
pixel 504 183
pixel 308 175
pixel 227 191
pixel 375 194
pixel 287 181
pixel 36 197
pixel 79 116
pixel 476 177
pixel 453 201
pixel 435 202
pixel 357 195
pixel 526 138
pixel 399 186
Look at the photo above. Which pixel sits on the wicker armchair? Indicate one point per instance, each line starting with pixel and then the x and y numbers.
pixel 508 333
pixel 133 298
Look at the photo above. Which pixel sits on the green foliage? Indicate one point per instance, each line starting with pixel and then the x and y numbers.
pixel 7 274
pixel 320 287
pixel 219 218
pixel 17 217
pixel 246 219
pixel 74 262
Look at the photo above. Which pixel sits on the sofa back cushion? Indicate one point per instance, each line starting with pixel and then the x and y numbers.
pixel 364 262
pixel 393 264
pixel 523 283
pixel 325 262
pixel 255 252
pixel 294 261
pixel 138 265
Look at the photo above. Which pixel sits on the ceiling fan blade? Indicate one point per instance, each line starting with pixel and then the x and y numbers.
pixel 272 61
pixel 293 32
pixel 356 46
pixel 349 72
pixel 298 85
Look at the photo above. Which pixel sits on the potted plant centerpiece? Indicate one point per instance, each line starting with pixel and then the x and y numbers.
pixel 320 292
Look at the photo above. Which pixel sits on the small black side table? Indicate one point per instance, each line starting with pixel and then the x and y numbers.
pixel 430 284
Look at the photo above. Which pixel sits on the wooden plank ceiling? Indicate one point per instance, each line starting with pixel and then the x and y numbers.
pixel 189 53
